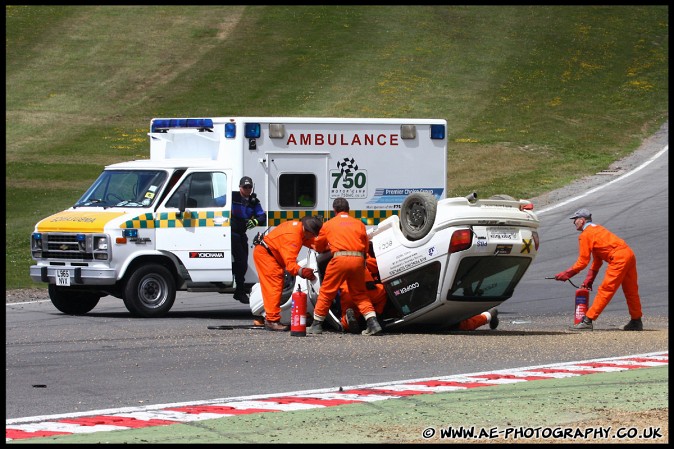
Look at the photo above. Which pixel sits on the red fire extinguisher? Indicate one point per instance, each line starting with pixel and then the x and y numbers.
pixel 298 314
pixel 582 301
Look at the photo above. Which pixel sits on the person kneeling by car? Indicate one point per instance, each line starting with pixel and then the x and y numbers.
pixel 276 253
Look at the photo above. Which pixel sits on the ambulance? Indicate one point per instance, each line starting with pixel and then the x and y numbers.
pixel 146 229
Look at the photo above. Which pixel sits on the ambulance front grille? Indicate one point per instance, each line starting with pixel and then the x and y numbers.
pixel 65 246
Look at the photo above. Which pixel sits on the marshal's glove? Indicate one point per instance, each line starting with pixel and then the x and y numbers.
pixel 565 275
pixel 251 223
pixel 589 280
pixel 307 273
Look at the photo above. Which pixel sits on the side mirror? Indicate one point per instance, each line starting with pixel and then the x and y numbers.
pixel 182 202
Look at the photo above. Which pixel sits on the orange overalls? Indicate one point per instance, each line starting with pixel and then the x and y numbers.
pixel 603 245
pixel 471 323
pixel 377 296
pixel 285 242
pixel 346 238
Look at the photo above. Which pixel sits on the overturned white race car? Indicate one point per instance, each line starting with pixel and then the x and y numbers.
pixel 440 261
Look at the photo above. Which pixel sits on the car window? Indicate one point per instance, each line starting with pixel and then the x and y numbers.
pixel 415 289
pixel 203 189
pixel 488 277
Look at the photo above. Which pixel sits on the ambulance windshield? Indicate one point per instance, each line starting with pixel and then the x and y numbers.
pixel 124 188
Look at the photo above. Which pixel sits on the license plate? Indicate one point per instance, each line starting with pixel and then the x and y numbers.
pixel 503 234
pixel 63 277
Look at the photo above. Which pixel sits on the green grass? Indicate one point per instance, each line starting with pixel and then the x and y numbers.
pixel 534 95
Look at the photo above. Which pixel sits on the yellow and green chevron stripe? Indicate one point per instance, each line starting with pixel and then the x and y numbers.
pixel 275 218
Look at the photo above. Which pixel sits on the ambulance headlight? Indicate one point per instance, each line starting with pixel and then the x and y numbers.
pixel 36 245
pixel 100 243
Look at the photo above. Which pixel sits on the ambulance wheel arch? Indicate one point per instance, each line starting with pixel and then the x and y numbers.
pixel 71 301
pixel 417 215
pixel 149 290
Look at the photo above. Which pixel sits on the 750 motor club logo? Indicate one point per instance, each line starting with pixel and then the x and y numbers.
pixel 207 255
pixel 348 181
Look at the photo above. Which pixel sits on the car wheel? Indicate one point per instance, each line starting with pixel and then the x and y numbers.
pixel 149 291
pixel 72 302
pixel 417 215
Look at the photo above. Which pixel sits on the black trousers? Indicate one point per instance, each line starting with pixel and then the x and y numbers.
pixel 240 262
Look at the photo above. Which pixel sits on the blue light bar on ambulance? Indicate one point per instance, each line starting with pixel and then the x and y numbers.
pixel 437 131
pixel 230 130
pixel 164 124
pixel 252 130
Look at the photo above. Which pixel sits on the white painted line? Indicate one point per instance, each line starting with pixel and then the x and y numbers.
pixel 620 178
pixel 38 424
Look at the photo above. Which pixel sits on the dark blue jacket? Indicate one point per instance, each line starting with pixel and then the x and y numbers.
pixel 244 209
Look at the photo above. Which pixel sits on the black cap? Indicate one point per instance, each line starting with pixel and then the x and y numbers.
pixel 245 181
pixel 312 223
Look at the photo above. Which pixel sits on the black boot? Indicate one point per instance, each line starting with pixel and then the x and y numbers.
pixel 316 327
pixel 373 327
pixel 354 327
pixel 634 325
pixel 240 295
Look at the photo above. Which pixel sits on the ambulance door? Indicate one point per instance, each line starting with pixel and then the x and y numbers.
pixel 200 236
pixel 298 182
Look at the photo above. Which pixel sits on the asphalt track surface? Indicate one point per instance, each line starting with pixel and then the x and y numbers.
pixel 107 359
pixel 543 403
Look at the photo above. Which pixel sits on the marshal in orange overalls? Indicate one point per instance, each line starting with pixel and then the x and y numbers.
pixel 346 238
pixel 285 242
pixel 377 294
pixel 604 246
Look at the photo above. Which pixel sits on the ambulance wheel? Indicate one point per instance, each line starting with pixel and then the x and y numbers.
pixel 149 291
pixel 72 302
pixel 417 215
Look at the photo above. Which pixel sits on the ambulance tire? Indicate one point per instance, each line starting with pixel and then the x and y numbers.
pixel 417 215
pixel 149 291
pixel 72 302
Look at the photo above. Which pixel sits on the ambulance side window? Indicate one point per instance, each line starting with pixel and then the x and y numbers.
pixel 297 190
pixel 203 189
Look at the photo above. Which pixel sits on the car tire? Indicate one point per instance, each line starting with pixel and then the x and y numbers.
pixel 72 302
pixel 417 215
pixel 149 291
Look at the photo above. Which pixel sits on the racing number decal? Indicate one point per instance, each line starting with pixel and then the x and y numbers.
pixel 348 181
pixel 526 246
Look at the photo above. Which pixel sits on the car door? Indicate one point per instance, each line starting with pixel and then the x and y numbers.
pixel 200 236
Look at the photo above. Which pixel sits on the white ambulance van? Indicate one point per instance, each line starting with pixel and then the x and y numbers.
pixel 148 228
